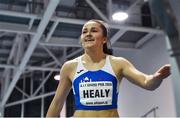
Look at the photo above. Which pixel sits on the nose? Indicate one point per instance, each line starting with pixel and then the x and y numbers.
pixel 88 34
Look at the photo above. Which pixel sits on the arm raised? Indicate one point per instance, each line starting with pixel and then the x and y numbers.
pixel 149 82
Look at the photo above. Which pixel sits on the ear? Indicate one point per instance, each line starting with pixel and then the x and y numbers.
pixel 105 40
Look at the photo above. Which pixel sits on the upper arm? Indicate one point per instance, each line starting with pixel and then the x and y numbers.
pixel 132 74
pixel 65 84
pixel 62 91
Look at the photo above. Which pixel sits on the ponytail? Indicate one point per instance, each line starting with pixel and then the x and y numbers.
pixel 107 50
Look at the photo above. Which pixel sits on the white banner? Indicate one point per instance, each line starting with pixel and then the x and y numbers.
pixel 96 93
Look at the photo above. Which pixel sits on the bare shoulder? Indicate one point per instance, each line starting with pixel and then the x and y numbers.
pixel 70 64
pixel 116 59
pixel 69 68
pixel 119 62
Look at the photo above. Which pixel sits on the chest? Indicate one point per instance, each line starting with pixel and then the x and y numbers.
pixel 93 66
pixel 94 88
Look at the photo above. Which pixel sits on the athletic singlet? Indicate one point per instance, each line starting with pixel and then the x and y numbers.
pixel 95 90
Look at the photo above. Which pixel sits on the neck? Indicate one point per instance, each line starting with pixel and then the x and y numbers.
pixel 94 56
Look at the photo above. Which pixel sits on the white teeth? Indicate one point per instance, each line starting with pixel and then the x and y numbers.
pixel 89 39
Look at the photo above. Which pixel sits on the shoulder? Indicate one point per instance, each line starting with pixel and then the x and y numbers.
pixel 70 64
pixel 69 67
pixel 120 62
pixel 116 59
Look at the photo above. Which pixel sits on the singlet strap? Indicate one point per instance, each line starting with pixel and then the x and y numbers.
pixel 108 67
pixel 80 68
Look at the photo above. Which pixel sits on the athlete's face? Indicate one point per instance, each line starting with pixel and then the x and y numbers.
pixel 92 35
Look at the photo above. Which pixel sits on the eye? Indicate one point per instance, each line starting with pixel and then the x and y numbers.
pixel 94 30
pixel 83 32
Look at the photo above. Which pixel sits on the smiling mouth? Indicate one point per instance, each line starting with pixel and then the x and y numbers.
pixel 89 39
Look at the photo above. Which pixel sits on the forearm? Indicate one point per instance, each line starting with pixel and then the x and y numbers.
pixel 54 109
pixel 152 82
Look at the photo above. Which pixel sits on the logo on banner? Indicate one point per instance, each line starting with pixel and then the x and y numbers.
pixel 86 79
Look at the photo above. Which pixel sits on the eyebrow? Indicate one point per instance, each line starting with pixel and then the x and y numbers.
pixel 91 28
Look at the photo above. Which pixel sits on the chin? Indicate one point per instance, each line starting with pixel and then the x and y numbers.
pixel 88 45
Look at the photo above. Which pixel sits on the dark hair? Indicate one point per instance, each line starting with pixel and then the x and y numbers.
pixel 107 46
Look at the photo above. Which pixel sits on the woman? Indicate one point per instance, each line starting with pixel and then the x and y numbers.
pixel 95 76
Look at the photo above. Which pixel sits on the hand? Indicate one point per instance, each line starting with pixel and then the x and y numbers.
pixel 163 72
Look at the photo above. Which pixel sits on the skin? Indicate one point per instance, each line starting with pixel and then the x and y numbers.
pixel 92 40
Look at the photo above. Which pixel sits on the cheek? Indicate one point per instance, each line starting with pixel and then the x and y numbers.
pixel 98 36
pixel 101 39
pixel 81 38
